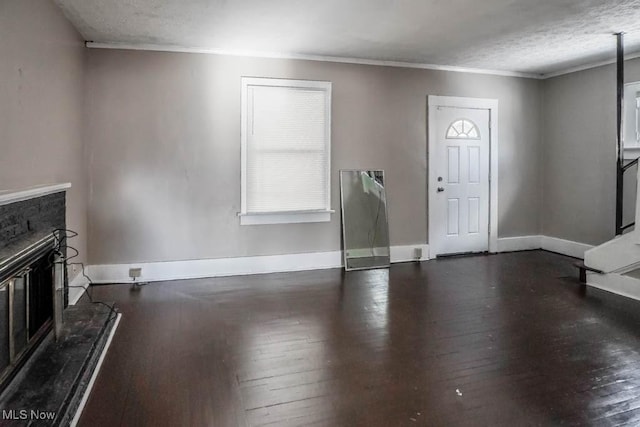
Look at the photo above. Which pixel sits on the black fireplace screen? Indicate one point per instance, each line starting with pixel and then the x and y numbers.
pixel 27 295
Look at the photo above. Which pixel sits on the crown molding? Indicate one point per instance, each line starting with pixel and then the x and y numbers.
pixel 347 60
pixel 587 66
pixel 277 55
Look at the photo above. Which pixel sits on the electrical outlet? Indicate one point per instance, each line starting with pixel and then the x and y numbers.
pixel 134 273
pixel 417 254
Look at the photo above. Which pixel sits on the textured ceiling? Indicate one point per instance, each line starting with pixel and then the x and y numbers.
pixel 531 36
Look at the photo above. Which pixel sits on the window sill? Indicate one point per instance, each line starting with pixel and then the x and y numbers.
pixel 288 217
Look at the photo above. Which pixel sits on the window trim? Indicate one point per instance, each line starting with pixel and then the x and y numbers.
pixel 282 217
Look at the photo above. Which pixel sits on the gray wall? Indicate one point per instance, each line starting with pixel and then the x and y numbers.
pixel 163 141
pixel 42 60
pixel 579 155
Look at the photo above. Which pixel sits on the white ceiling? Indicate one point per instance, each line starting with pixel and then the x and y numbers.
pixel 529 36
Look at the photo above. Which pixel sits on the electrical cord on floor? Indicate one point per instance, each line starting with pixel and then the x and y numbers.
pixel 61 248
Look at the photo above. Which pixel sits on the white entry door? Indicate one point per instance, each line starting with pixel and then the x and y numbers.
pixel 459 180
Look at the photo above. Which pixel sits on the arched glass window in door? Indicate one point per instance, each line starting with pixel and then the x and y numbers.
pixel 463 129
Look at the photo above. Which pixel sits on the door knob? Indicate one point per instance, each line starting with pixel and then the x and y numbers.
pixel 440 189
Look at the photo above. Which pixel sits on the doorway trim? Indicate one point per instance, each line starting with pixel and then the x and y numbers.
pixel 462 102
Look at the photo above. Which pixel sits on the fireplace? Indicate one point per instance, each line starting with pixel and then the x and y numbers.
pixel 31 284
pixel 46 365
pixel 32 273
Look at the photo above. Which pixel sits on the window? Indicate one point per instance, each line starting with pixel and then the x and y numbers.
pixel 286 138
pixel 463 129
pixel 631 120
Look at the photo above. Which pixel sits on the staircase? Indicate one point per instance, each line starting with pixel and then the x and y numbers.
pixel 614 266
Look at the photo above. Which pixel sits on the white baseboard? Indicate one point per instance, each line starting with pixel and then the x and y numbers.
pixel 406 253
pixel 521 243
pixel 76 288
pixel 553 244
pixel 221 267
pixel 565 247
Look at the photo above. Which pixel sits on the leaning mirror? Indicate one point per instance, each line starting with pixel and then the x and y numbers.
pixel 365 231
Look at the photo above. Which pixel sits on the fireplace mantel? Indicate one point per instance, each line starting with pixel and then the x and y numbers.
pixel 12 196
pixel 30 214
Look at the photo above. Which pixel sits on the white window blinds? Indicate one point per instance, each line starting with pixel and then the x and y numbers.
pixel 286 146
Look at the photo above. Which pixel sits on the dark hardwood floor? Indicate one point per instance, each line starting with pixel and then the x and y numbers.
pixel 508 339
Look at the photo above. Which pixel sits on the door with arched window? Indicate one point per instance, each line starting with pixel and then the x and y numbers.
pixel 460 211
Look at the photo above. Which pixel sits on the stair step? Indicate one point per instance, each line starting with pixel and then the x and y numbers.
pixel 582 271
pixel 580 265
